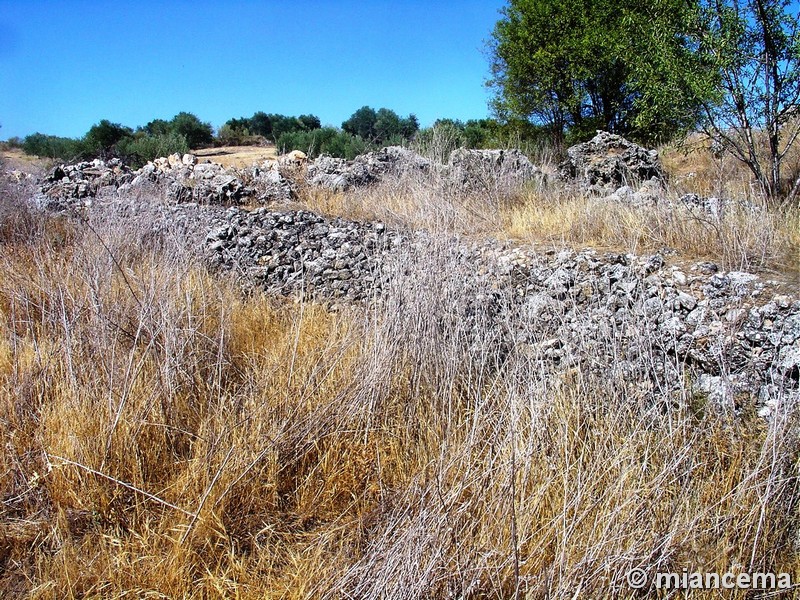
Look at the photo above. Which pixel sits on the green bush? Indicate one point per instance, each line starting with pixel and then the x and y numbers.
pixel 52 146
pixel 439 141
pixel 381 126
pixel 143 148
pixel 326 140
pixel 270 126
pixel 344 145
pixel 157 127
pixel 232 135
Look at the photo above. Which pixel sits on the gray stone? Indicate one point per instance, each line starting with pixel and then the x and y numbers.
pixel 609 162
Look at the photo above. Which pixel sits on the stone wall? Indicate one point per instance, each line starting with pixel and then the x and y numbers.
pixel 636 319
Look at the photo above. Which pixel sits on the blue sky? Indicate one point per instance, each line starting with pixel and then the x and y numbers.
pixel 64 65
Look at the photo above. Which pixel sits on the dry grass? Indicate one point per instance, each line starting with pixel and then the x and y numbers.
pixel 15 159
pixel 693 168
pixel 764 240
pixel 760 239
pixel 237 156
pixel 165 437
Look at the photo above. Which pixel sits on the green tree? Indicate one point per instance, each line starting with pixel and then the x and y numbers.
pixel 287 124
pixel 102 138
pixel 480 133
pixel 573 65
pixel 230 135
pixel 158 127
pixel 309 122
pixel 362 123
pixel 325 140
pixel 271 126
pixel 260 124
pixel 381 127
pixel 141 148
pixel 192 129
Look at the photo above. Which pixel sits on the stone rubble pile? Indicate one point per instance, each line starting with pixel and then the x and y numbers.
pixel 186 180
pixel 491 170
pixel 182 179
pixel 67 185
pixel 635 320
pixel 714 207
pixel 607 166
pixel 608 161
pixel 609 315
pixel 468 170
pixel 338 174
pixel 300 252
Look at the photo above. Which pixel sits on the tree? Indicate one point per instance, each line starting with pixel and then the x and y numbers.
pixel 754 47
pixel 260 124
pixel 143 147
pixel 409 126
pixel 231 135
pixel 68 149
pixel 362 123
pixel 328 140
pixel 380 127
pixel 192 129
pixel 387 125
pixel 572 65
pixel 158 127
pixel 309 122
pixel 102 137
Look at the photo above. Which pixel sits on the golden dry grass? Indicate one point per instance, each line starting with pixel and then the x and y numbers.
pixel 15 158
pixel 167 437
pixel 764 241
pixel 237 156
pixel 754 237
pixel 693 168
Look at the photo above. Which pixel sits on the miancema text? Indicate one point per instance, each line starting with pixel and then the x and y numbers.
pixel 728 581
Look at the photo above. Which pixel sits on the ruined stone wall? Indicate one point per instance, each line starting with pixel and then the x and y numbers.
pixel 636 319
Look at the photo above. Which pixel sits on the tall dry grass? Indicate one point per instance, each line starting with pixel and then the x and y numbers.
pixel 167 437
pixel 745 237
pixel 748 235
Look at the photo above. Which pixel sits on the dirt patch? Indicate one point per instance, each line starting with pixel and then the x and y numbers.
pixel 236 156
pixel 16 159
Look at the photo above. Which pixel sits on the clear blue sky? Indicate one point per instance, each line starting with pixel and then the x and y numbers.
pixel 64 65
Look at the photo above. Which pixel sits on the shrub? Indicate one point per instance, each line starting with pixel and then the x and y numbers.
pixel 326 140
pixel 344 145
pixel 230 135
pixel 137 151
pixel 381 126
pixel 270 126
pixel 52 146
pixel 439 141
pixel 157 127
